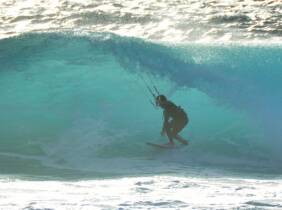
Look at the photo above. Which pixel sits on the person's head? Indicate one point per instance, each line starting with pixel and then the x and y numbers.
pixel 160 100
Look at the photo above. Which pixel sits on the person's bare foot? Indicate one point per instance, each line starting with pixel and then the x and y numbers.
pixel 182 141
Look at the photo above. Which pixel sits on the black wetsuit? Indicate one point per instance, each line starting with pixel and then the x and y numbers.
pixel 175 119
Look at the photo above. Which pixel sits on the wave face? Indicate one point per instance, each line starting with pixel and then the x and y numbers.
pixel 74 102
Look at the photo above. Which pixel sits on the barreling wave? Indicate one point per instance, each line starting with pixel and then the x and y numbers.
pixel 80 102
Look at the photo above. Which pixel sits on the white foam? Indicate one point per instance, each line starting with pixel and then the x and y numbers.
pixel 155 192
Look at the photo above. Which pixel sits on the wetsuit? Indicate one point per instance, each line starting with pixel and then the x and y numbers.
pixel 175 119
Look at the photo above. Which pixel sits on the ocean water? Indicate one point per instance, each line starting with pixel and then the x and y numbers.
pixel 75 111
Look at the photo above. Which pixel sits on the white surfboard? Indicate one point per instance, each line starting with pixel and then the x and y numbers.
pixel 162 146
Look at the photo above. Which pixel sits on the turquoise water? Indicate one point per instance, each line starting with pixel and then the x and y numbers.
pixel 77 105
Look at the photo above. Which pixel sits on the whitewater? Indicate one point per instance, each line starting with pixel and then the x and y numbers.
pixel 75 111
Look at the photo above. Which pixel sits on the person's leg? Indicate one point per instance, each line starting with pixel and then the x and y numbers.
pixel 181 140
pixel 169 133
pixel 177 127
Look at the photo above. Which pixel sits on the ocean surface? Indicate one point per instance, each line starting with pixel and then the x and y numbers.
pixel 76 112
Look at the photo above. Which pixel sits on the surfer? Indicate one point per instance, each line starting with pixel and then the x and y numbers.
pixel 175 119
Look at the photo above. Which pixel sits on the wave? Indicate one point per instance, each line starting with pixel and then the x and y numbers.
pixel 80 102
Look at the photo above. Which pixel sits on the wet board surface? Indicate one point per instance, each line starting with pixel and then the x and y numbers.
pixel 162 146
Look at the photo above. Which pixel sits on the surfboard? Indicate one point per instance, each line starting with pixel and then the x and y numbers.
pixel 162 146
